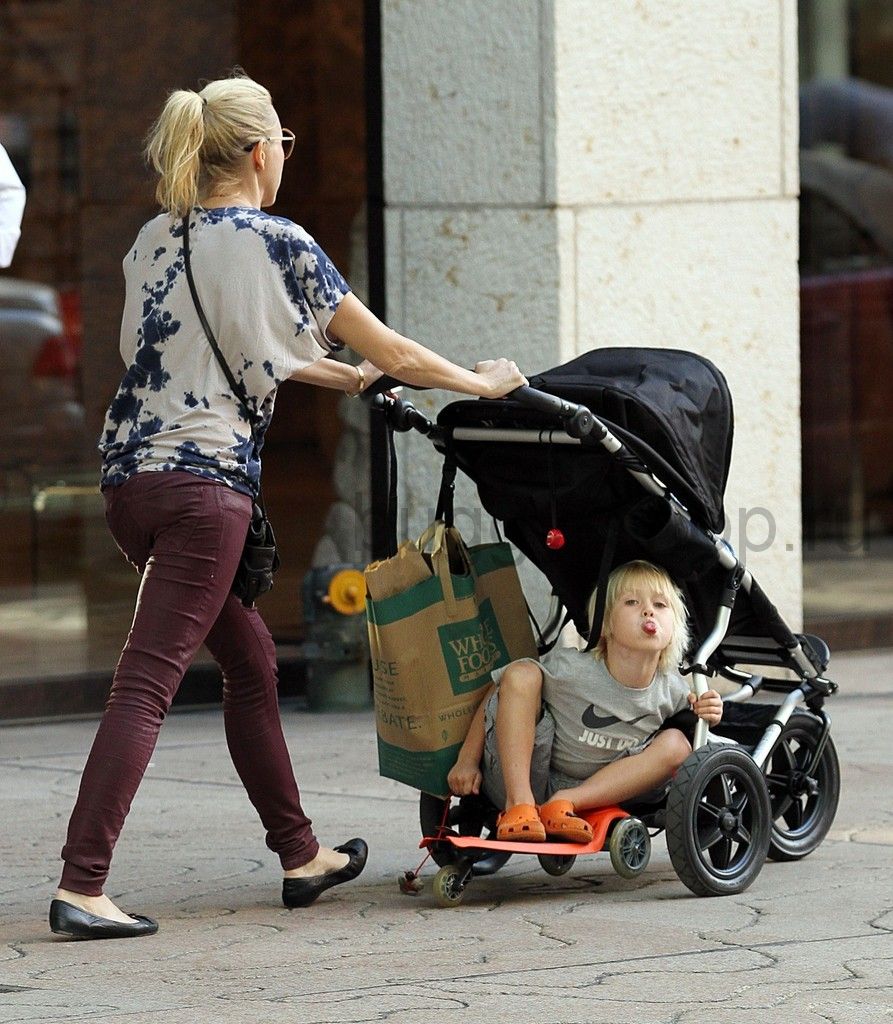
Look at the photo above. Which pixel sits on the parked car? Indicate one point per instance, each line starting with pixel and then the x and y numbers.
pixel 43 421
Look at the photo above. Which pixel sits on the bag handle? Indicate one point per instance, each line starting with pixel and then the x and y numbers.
pixel 454 538
pixel 428 534
pixel 446 537
pixel 442 536
pixel 440 562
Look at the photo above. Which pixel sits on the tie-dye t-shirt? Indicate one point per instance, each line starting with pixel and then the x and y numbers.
pixel 268 292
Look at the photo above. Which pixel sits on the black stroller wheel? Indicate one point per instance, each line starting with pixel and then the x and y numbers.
pixel 468 817
pixel 556 864
pixel 718 821
pixel 803 802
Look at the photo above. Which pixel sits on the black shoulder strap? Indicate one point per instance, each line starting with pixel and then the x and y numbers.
pixel 238 389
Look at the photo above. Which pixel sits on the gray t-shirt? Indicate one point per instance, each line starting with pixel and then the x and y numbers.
pixel 597 719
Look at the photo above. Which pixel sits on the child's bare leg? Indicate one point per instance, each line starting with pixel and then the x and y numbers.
pixel 632 776
pixel 520 696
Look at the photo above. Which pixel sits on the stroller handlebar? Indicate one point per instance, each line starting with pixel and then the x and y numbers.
pixel 577 420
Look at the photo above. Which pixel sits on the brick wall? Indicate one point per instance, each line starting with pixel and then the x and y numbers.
pixel 89 77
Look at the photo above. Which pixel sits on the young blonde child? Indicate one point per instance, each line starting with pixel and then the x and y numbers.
pixel 581 730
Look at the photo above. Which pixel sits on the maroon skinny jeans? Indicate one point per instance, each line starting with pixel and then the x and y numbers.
pixel 185 535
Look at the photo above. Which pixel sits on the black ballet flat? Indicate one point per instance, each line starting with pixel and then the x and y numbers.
pixel 67 919
pixel 301 892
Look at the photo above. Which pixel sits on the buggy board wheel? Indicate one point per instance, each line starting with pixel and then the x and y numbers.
pixel 556 864
pixel 803 801
pixel 448 886
pixel 630 847
pixel 718 820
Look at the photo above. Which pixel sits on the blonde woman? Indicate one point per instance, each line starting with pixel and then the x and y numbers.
pixel 583 730
pixel 180 469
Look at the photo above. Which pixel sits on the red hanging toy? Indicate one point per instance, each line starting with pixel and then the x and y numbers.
pixel 554 538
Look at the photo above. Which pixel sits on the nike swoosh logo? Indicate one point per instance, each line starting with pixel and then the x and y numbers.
pixel 592 721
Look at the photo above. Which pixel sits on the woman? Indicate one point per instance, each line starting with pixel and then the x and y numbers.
pixel 180 468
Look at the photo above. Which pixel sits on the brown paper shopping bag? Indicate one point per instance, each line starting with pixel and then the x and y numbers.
pixel 438 625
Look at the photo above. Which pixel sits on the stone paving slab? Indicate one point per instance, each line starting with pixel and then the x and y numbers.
pixel 810 941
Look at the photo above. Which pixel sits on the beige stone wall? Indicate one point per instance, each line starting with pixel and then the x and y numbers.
pixel 567 174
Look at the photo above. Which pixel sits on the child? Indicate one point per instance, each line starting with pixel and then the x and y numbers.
pixel 583 727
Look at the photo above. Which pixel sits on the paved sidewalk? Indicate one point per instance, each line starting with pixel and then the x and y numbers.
pixel 809 942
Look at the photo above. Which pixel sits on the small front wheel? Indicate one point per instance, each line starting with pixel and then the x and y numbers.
pixel 556 864
pixel 630 847
pixel 448 886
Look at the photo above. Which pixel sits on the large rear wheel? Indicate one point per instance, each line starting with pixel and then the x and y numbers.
pixel 803 796
pixel 718 821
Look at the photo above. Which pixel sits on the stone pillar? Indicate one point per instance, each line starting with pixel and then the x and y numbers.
pixel 562 175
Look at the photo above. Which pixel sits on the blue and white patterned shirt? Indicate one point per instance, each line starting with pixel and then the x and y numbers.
pixel 268 292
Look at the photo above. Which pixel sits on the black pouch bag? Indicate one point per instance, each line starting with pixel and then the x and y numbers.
pixel 254 575
pixel 259 561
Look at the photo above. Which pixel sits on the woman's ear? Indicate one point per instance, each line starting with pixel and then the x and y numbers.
pixel 259 156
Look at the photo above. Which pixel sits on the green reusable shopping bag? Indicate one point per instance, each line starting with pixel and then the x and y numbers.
pixel 439 623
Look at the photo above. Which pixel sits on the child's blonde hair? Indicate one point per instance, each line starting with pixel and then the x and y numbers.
pixel 646 575
pixel 199 139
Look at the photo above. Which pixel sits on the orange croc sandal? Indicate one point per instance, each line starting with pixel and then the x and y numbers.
pixel 520 824
pixel 561 823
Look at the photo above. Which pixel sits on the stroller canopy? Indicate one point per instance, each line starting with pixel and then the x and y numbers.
pixel 671 409
pixel 665 401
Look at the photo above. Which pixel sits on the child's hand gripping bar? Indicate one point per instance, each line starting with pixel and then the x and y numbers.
pixel 577 420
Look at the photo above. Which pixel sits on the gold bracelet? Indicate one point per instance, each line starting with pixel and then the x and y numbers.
pixel 361 382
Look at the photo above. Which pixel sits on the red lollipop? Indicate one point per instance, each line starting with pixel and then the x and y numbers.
pixel 554 539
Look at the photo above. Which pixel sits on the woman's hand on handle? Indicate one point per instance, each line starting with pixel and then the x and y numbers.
pixel 501 376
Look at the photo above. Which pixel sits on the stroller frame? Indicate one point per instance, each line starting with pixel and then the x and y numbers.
pixel 793 751
pixel 739 576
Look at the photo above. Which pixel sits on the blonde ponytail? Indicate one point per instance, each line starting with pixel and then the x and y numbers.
pixel 173 148
pixel 197 145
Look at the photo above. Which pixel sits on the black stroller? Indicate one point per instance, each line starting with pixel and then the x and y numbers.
pixel 621 454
